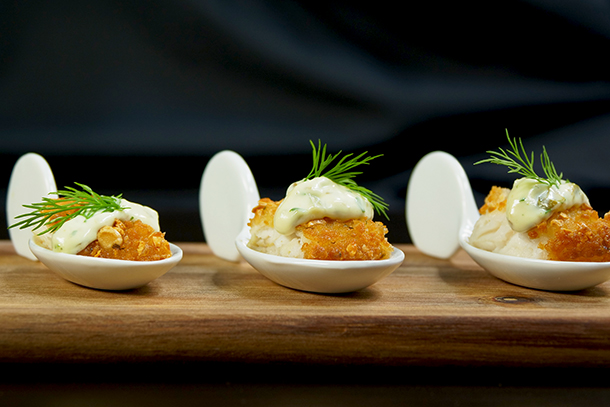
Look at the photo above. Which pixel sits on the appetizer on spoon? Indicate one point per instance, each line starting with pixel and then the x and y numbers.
pixel 319 238
pixel 540 234
pixel 103 242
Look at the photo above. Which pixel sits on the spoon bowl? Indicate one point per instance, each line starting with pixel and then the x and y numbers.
pixel 31 180
pixel 539 274
pixel 228 172
pixel 441 213
pixel 320 276
pixel 105 274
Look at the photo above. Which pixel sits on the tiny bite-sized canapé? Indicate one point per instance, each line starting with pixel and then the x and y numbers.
pixel 82 222
pixel 540 217
pixel 325 216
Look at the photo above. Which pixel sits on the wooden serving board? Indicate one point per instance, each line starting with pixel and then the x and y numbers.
pixel 429 312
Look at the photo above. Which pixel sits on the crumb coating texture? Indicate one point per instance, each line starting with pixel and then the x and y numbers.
pixel 576 234
pixel 324 239
pixel 129 240
pixel 125 240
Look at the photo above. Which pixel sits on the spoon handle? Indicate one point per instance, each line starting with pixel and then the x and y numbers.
pixel 227 194
pixel 439 204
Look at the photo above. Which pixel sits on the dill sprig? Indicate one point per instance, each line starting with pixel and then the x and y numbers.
pixel 70 203
pixel 518 161
pixel 341 173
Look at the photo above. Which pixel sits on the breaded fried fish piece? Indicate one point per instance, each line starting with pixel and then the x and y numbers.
pixel 575 234
pixel 319 239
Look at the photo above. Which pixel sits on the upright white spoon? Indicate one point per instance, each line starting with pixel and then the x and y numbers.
pixel 228 194
pixel 32 179
pixel 441 213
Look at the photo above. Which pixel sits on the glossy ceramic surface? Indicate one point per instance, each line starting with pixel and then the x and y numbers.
pixel 320 276
pixel 105 274
pixel 227 195
pixel 227 233
pixel 441 213
pixel 32 179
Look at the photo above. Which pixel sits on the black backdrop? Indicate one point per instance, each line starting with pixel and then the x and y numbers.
pixel 136 96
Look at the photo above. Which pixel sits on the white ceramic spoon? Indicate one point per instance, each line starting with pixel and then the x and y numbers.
pixel 227 195
pixel 225 226
pixel 441 213
pixel 32 179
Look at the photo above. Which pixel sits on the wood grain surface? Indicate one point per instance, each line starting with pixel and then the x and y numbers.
pixel 429 313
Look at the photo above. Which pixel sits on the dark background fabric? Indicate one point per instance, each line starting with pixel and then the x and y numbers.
pixel 134 97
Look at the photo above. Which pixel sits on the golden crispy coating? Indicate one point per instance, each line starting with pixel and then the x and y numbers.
pixel 264 212
pixel 129 240
pixel 577 234
pixel 329 239
pixel 124 240
pixel 354 239
pixel 495 200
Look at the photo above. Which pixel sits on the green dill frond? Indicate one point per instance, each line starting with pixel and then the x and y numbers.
pixel 342 173
pixel 518 161
pixel 70 203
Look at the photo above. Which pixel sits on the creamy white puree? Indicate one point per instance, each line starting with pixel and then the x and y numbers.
pixel 78 232
pixel 530 202
pixel 318 198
